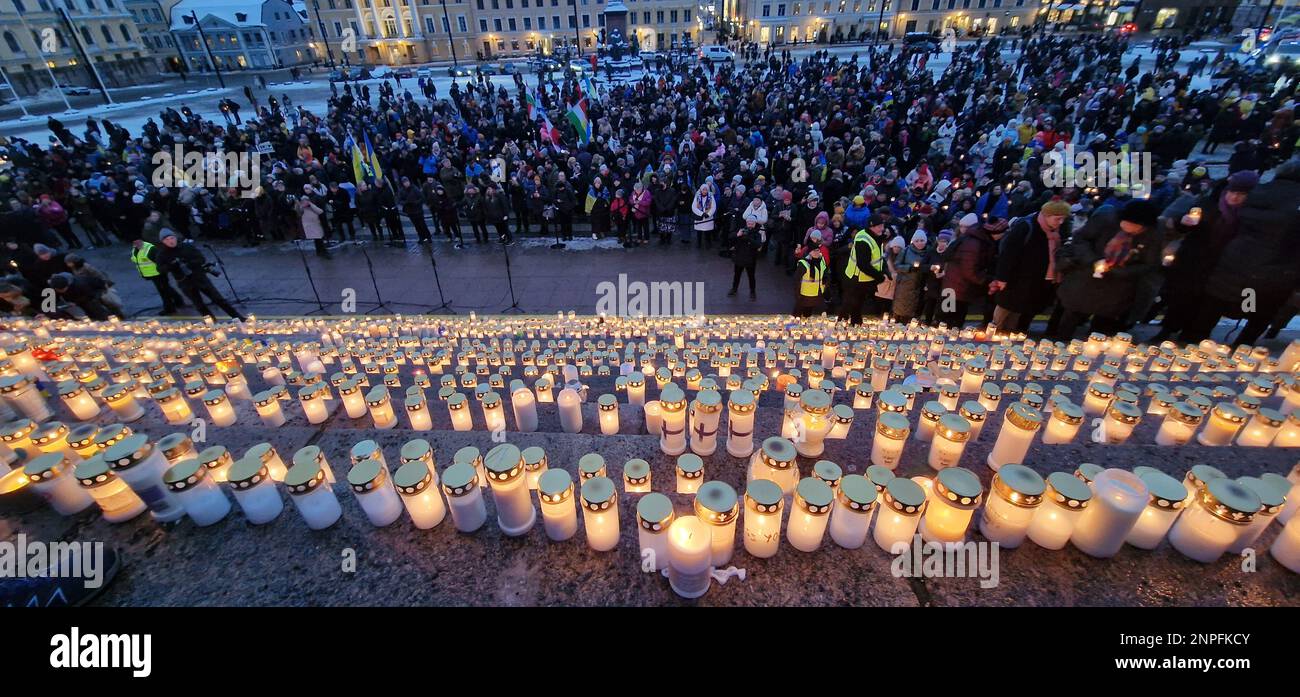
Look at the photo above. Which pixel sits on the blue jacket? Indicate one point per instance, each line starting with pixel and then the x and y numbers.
pixel 856 217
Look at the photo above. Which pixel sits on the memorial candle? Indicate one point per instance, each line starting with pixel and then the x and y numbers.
pixel 1215 520
pixel 717 505
pixel 810 515
pixel 559 514
pixel 1121 419
pixel 117 502
pixel 374 490
pixel 690 473
pixel 600 513
pixel 775 461
pixel 198 493
pixel 1179 425
pixel 51 476
pixel 121 399
pixel 81 439
pixel 254 491
pixel 525 408
pixel 78 400
pixel 705 415
pixel 52 437
pixel 1262 428
pixel 931 412
pixel 975 414
pixel 570 406
pixel 472 455
pixel 219 408
pixel 949 441
pixel 1286 546
pixel 1064 500
pixel 1166 497
pixel 460 482
pixel 956 493
pixel 1015 437
pixel 354 403
pixel 505 470
pixel 636 389
pixel 672 439
pixel 689 550
pixel 655 516
pixel 850 520
pixel 740 423
pixel 636 476
pixel 267 403
pixel 21 392
pixel 1272 500
pixel 1119 498
pixel 1016 492
pixel 1222 426
pixel 1097 398
pixel 312 398
pixel 863 395
pixel 141 465
pixel 381 408
pixel 902 504
pixel 607 407
pixel 1063 424
pixel 458 409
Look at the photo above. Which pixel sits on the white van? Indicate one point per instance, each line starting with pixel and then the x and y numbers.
pixel 716 54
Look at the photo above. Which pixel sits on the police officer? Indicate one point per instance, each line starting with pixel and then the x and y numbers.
pixel 812 281
pixel 188 265
pixel 865 269
pixel 145 257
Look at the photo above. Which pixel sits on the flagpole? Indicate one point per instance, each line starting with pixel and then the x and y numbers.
pixel 23 18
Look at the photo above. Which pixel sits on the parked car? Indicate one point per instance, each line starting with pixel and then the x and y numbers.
pixel 920 39
pixel 508 69
pixel 579 67
pixel 75 90
pixel 460 71
pixel 403 73
pixel 716 54
pixel 1286 55
pixel 426 71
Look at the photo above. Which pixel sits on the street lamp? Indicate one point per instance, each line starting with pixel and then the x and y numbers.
pixel 451 43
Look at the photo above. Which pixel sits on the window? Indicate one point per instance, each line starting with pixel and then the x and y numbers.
pixel 659 16
pixel 496 23
pixel 510 4
pixel 916 5
pixel 12 43
pixel 528 23
pixel 18 4
pixel 428 24
pixel 573 22
pixel 673 16
pixel 934 5
pixel 645 17
pixel 241 16
pixel 780 10
pixel 108 35
pixel 480 4
pixel 686 17
pixel 85 35
pixel 514 44
pixel 126 33
pixel 586 21
pixel 555 21
pixel 767 10
pixel 460 22
pixel 631 18
pixel 496 4
pixel 541 22
pixel 482 25
pixel 511 23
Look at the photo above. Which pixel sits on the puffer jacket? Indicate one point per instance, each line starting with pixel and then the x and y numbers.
pixel 1265 254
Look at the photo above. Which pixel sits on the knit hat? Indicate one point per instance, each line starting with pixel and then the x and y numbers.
pixel 1055 207
pixel 1139 211
pixel 920 235
pixel 815 237
pixel 897 243
pixel 876 219
pixel 42 249
pixel 945 234
pixel 60 281
pixel 969 220
pixel 859 200
pixel 164 234
pixel 1242 181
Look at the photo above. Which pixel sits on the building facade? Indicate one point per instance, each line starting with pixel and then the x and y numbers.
pixel 69 36
pixel 241 34
pixel 778 22
pixel 150 17
pixel 966 17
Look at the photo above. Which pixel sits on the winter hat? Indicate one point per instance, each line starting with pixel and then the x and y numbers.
pixel 1055 207
pixel 1139 211
pixel 859 200
pixel 42 249
pixel 815 236
pixel 920 236
pixel 969 220
pixel 164 234
pixel 945 234
pixel 897 243
pixel 1242 181
pixel 60 281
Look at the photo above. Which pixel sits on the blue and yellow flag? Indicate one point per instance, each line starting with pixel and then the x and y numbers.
pixel 365 161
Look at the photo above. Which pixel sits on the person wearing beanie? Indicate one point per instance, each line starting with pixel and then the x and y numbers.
pixel 812 270
pixel 144 255
pixel 967 223
pixel 910 266
pixel 863 270
pixel 1113 258
pixel 190 268
pixel 857 214
pixel 84 292
pixel 1026 276
pixel 1202 226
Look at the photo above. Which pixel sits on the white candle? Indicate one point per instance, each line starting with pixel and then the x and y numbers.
pixel 51 476
pixel 1272 501
pixel 689 549
pixel 78 400
pixel 1065 499
pixel 653 417
pixel 655 516
pixel 672 438
pixel 570 405
pixel 120 397
pixel 417 485
pixel 763 509
pixel 717 505
pixel 1286 546
pixel 636 476
pixel 198 493
pixel 973 376
pixel 354 403
pixel 740 423
pixel 219 408
pixel 1121 419
pixel 607 408
pixel 1261 429
pixel 117 502
pixel 956 493
pixel 1017 492
pixel 313 398
pixel 1015 436
pixel 1063 424
pixel 705 415
pixel 472 455
pixel 559 514
pixel 1179 424
pixel 505 470
pixel 1166 499
pixel 949 441
pixel 690 473
pixel 254 490
pixel 23 395
pixel 1224 422
pixel 525 408
pixel 267 403
pixel 863 395
pixel 460 482
pixel 636 389
pixel 381 407
pixel 600 513
pixel 374 490
pixel 1215 520
pixel 902 505
pixel 891 434
pixel 1119 498
pixel 850 520
pixel 174 407
pixel 1097 398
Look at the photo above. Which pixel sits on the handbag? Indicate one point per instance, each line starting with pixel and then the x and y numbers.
pixel 885 289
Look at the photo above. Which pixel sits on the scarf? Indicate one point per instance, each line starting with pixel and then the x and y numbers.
pixel 1118 249
pixel 1053 243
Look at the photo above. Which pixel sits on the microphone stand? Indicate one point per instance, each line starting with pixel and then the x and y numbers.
pixel 514 304
pixel 234 294
pixel 320 305
pixel 379 299
pixel 446 304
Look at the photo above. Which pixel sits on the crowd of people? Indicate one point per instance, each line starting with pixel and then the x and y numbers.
pixel 884 185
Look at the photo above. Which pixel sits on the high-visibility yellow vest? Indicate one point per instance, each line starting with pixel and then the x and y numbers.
pixel 146 266
pixel 813 281
pixel 851 270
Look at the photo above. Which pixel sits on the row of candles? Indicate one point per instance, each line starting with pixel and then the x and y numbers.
pixel 1203 516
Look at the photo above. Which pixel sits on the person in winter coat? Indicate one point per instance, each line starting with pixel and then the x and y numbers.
pixel 78 266
pixel 1261 263
pixel 1201 239
pixel 496 207
pixel 705 209
pixel 476 214
pixel 84 292
pixel 812 271
pixel 909 272
pixel 755 212
pixel 313 227
pixel 619 215
pixel 856 215
pixel 54 218
pixel 447 215
pixel 932 283
pixel 665 200
pixel 368 208
pixel 968 269
pixel 1026 276
pixel 411 200
pixel 597 208
pixel 1104 265
pixel 188 265
pixel 642 202
pixel 744 255
pixel 566 201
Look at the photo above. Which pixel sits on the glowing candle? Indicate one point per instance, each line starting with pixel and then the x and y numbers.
pixel 1166 497
pixel 117 502
pixel 899 515
pixel 1063 424
pixel 52 437
pixel 975 415
pixel 1289 436
pixel 1215 520
pixel 841 418
pixel 494 413
pixel 655 516
pixel 863 395
pixel 472 455
pixel 51 476
pixel 990 397
pixel 740 423
pixel 460 482
pixel 505 470
pixel 972 377
pixel 600 513
pixel 1121 419
pixel 948 396
pixel 1064 500
pixel 174 407
pixel 354 403
pixel 137 462
pixel 219 408
pixel 555 494
pixel 543 388
pixel 1262 428
pixel 949 441
pixel 931 412
pixel 690 473
pixel 1179 424
pixel 705 415
pixel 891 434
pixel 1097 398
pixel 198 493
pixel 879 374
pixel 21 392
pixel 1272 500
pixel 1224 422
pixel 955 494
pixel 374 490
pixel 763 507
pixel 607 408
pixel 672 438
pixel 718 506
pixel 689 556
pixel 254 491
pixel 1286 546
pixel 417 485
pixel 850 519
pixel 1119 498
pixel 78 400
pixel 525 409
pixel 636 476
pixel 267 403
pixel 1017 433
pixel 570 405
pixel 1018 491
pixel 381 408
pixel 653 417
pixel 312 399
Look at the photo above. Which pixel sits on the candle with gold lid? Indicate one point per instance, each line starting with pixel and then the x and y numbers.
pixel 174 407
pixel 51 476
pixel 197 492
pixel 1272 500
pixel 267 455
pixel 21 392
pixel 949 441
pixel 636 476
pixel 590 466
pixel 892 430
pixel 141 465
pixel 1064 499
pixel 1166 500
pixel 78 400
pixel 559 513
pixel 1179 424
pixel 117 502
pixel 1215 520
pixel 176 447
pixel 690 473
pixel 705 415
pixel 672 404
pixel 850 519
pixel 956 493
pixel 505 469
pixel 1097 398
pixel 763 506
pixel 931 412
pixel 655 516
pixel 1016 435
pixel 474 457
pixel 1224 421
pixel 899 512
pixel 461 484
pixel 810 514
pixel 1121 418
pixel 717 505
pixel 600 513
pixel 740 423
pixel 52 437
pixel 1016 492
pixel 267 403
pixel 374 490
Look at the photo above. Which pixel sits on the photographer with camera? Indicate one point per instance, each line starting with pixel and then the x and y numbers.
pixel 191 269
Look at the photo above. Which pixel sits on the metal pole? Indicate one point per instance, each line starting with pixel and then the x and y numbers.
pixel 76 39
pixel 323 36
pixel 1263 21
pixel 875 33
pixel 10 85
pixel 54 80
pixel 451 38
pixel 203 39
pixel 577 37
